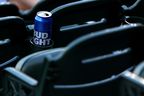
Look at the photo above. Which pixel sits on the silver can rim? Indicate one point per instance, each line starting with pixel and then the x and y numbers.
pixel 44 14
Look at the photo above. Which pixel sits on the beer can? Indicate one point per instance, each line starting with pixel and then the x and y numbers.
pixel 42 29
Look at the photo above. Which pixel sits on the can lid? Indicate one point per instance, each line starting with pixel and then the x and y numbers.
pixel 44 14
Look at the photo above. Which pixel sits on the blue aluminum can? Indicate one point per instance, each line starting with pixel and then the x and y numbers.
pixel 42 29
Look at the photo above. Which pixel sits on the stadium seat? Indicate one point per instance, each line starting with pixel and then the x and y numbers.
pixel 81 60
pixel 8 9
pixel 94 52
pixel 86 10
pixel 13 34
pixel 92 45
pixel 80 12
pixel 12 37
pixel 104 87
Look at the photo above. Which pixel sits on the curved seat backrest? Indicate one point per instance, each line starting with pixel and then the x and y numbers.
pixel 13 27
pixel 105 87
pixel 94 45
pixel 12 37
pixel 85 10
pixel 35 60
pixel 92 57
pixel 111 65
pixel 81 54
pixel 80 12
pixel 104 41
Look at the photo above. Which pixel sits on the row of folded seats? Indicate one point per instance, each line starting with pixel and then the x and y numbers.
pixel 97 50
pixel 130 7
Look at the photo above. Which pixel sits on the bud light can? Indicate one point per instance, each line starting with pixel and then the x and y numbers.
pixel 42 29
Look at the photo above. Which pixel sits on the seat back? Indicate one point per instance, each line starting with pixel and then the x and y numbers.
pixel 98 43
pixel 12 36
pixel 82 11
pixel 86 10
pixel 109 67
pixel 91 46
pixel 92 57
pixel 82 53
